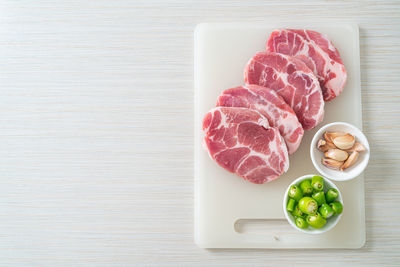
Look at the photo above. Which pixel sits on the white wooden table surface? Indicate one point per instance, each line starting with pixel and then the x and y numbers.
pixel 96 151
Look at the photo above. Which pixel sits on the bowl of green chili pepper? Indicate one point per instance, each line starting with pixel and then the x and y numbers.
pixel 312 204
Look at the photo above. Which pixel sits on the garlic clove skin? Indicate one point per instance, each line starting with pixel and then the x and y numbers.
pixel 336 154
pixel 329 136
pixel 357 147
pixel 344 142
pixel 350 161
pixel 332 164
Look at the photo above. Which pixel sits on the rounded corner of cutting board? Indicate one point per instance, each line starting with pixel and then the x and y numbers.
pixel 361 243
pixel 200 241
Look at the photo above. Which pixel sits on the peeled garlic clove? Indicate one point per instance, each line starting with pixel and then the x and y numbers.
pixel 336 154
pixel 357 147
pixel 350 161
pixel 329 136
pixel 332 164
pixel 345 141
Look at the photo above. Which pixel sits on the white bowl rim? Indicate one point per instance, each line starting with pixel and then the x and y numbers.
pixel 356 172
pixel 312 231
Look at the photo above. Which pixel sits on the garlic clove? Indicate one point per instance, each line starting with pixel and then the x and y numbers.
pixel 336 154
pixel 350 161
pixel 329 136
pixel 323 145
pixel 357 147
pixel 344 142
pixel 332 164
pixel 330 145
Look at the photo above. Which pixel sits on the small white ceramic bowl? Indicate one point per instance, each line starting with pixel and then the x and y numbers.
pixel 330 223
pixel 317 155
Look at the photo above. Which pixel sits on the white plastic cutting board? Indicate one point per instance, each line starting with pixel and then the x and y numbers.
pixel 223 199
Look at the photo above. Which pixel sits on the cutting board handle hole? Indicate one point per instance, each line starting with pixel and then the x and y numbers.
pixel 262 226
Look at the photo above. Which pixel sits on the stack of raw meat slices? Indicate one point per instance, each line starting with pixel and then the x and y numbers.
pixel 254 127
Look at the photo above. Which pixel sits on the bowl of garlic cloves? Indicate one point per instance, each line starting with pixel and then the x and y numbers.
pixel 339 151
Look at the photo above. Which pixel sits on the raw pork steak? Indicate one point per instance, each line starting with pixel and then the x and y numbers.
pixel 292 80
pixel 319 54
pixel 241 141
pixel 271 106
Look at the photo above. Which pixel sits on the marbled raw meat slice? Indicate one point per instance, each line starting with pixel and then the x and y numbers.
pixel 241 141
pixel 292 80
pixel 271 106
pixel 317 52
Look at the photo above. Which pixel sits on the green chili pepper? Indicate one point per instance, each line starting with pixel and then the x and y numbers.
pixel 319 197
pixel 308 205
pixel 295 192
pixel 301 223
pixel 290 205
pixel 317 182
pixel 306 187
pixel 331 195
pixel 297 212
pixel 316 221
pixel 326 211
pixel 337 207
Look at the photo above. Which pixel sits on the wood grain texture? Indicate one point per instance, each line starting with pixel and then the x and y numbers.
pixel 96 128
